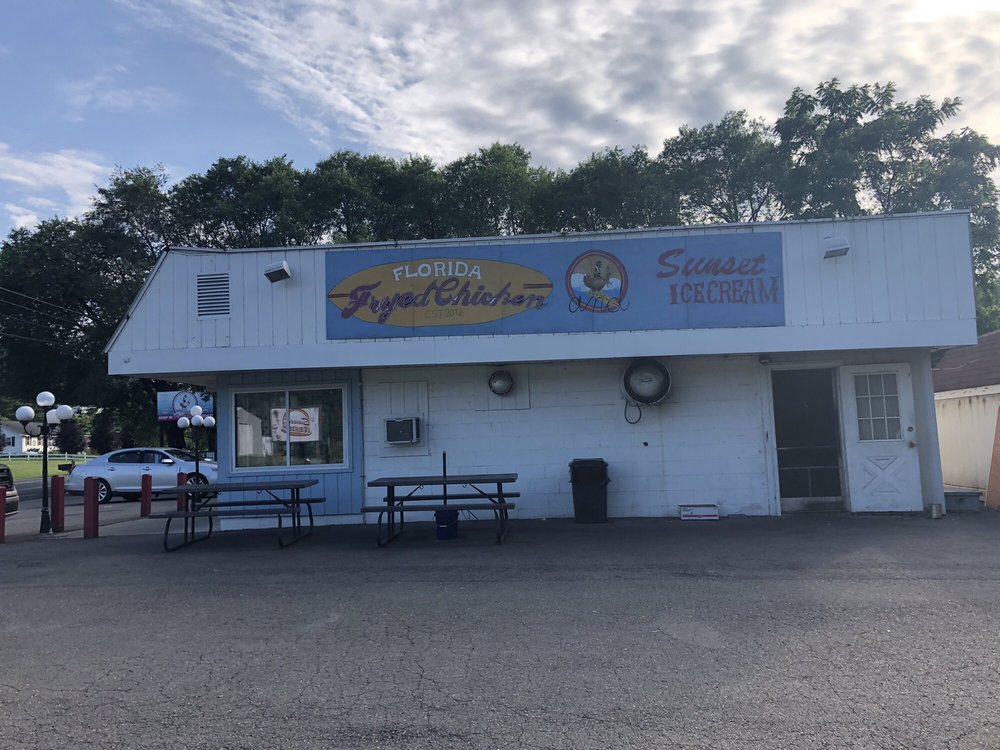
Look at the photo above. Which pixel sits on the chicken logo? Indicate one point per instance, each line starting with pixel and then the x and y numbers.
pixel 596 282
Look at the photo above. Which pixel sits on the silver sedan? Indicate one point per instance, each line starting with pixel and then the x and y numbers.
pixel 120 472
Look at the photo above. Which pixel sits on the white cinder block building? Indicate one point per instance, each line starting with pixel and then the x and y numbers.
pixel 798 356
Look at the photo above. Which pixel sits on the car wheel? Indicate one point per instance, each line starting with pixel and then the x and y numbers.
pixel 103 491
pixel 201 479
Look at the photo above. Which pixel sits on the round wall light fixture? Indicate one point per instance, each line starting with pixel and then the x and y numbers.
pixel 501 382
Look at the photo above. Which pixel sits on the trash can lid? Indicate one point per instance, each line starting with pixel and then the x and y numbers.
pixel 586 461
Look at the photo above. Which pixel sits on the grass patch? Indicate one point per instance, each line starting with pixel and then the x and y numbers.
pixel 31 468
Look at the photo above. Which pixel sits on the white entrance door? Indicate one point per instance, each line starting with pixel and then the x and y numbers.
pixel 880 438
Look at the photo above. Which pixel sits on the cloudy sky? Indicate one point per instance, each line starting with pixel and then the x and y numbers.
pixel 91 84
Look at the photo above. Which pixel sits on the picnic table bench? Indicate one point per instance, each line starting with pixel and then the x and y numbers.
pixel 201 501
pixel 488 489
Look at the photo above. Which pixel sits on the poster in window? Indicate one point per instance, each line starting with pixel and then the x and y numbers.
pixel 297 425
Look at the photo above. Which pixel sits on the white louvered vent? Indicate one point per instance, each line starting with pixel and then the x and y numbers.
pixel 213 294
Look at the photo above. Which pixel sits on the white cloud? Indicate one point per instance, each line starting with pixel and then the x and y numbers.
pixel 58 182
pixel 100 92
pixel 20 216
pixel 444 77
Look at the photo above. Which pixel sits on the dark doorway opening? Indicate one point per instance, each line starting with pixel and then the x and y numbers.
pixel 807 435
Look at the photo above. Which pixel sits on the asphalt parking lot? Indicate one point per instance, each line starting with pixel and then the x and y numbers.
pixel 801 632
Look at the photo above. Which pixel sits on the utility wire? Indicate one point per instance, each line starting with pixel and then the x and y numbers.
pixel 44 302
pixel 42 312
pixel 29 338
pixel 28 323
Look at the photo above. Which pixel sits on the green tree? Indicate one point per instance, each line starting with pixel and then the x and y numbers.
pixel 136 203
pixel 962 165
pixel 344 198
pixel 897 173
pixel 731 171
pixel 615 189
pixel 104 435
pixel 855 150
pixel 489 193
pixel 415 192
pixel 820 135
pixel 59 307
pixel 68 283
pixel 241 203
pixel 70 437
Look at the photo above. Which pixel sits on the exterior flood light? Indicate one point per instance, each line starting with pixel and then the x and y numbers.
pixel 646 382
pixel 835 247
pixel 277 271
pixel 501 382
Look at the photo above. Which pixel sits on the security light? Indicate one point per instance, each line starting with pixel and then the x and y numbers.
pixel 278 271
pixel 835 247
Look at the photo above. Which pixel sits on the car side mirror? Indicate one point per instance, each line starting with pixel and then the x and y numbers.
pixel 167 461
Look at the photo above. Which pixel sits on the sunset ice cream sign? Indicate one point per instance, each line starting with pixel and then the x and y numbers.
pixel 557 286
pixel 440 292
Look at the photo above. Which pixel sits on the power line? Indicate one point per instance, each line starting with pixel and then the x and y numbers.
pixel 29 323
pixel 29 338
pixel 44 302
pixel 42 312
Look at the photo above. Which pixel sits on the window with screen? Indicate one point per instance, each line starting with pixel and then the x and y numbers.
pixel 290 428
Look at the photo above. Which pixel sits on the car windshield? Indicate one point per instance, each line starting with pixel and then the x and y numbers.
pixel 180 455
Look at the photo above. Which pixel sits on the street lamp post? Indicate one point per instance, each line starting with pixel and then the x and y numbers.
pixel 52 415
pixel 196 420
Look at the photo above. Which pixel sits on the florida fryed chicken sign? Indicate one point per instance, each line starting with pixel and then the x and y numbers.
pixel 647 283
pixel 440 291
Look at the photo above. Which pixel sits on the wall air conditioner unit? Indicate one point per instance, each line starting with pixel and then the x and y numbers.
pixel 403 431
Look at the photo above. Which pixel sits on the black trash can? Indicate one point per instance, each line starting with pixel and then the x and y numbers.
pixel 589 477
pixel 447 523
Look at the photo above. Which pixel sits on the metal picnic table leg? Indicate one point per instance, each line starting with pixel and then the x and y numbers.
pixel 501 514
pixel 390 520
pixel 294 505
pixel 189 538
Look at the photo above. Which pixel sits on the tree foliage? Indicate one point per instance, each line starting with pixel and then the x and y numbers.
pixel 615 189
pixel 241 203
pixel 731 171
pixel 837 151
pixel 70 437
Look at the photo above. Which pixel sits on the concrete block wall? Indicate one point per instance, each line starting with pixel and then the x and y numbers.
pixel 705 443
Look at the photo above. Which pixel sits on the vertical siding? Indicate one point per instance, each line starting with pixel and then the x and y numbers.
pixel 912 271
pixel 821 276
pixel 930 272
pixel 847 290
pixel 911 268
pixel 872 238
pixel 895 260
pixel 796 302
